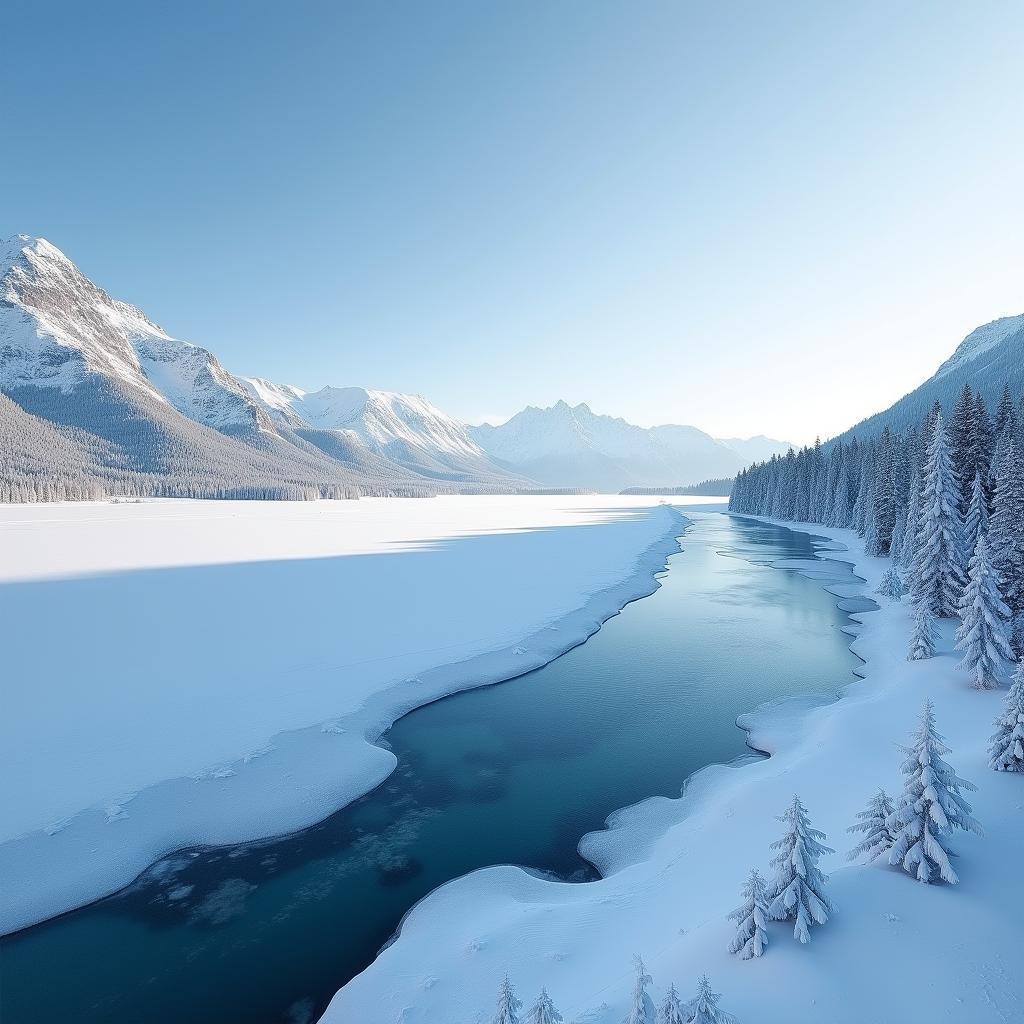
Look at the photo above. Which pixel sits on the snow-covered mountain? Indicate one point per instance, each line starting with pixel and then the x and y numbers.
pixel 989 357
pixel 131 404
pixel 58 330
pixel 567 445
pixel 94 391
pixel 404 428
pixel 984 347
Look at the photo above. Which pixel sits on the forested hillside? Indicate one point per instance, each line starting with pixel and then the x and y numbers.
pixel 944 498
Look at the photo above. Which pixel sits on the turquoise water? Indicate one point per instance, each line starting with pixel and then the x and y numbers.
pixel 265 933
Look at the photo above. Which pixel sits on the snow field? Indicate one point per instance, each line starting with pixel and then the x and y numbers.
pixel 186 672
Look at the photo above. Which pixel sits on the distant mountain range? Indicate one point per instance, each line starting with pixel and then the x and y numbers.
pixel 94 395
pixel 572 446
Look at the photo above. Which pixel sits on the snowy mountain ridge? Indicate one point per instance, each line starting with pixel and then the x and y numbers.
pixel 989 358
pixel 74 358
pixel 379 418
pixel 981 340
pixel 56 327
pixel 573 445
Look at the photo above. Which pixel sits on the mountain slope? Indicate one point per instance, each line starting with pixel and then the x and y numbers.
pixel 573 446
pixel 136 409
pixel 989 357
pixel 58 328
pixel 404 429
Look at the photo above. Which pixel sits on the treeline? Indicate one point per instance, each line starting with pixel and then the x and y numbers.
pixel 48 489
pixel 718 486
pixel 944 499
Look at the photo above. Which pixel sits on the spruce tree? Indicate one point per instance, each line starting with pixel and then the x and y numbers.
pixel 874 822
pixel 931 807
pixel 885 496
pixel 923 638
pixel 985 438
pixel 982 633
pixel 938 577
pixel 543 1011
pixel 872 539
pixel 1006 748
pixel 1006 414
pixel 891 585
pixel 671 1010
pixel 751 919
pixel 841 500
pixel 976 521
pixel 797 893
pixel 963 433
pixel 704 1008
pixel 1006 527
pixel 640 1007
pixel 861 506
pixel 907 551
pixel 899 531
pixel 508 1006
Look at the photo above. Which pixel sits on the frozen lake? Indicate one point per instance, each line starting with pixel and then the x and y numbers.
pixel 514 773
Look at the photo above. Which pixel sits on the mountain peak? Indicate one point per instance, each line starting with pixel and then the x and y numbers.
pixel 980 341
pixel 571 446
pixel 30 253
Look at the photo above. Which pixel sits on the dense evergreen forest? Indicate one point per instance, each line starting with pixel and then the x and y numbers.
pixel 944 498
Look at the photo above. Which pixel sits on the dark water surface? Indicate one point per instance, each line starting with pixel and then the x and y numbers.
pixel 265 933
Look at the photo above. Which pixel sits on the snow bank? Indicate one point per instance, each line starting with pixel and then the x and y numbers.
pixel 894 950
pixel 183 672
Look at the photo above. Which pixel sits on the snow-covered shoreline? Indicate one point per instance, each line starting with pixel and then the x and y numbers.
pixel 673 869
pixel 53 860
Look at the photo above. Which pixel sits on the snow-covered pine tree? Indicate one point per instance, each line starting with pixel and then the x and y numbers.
pixel 986 438
pixel 1006 748
pixel 1002 442
pixel 641 1007
pixel 862 505
pixel 508 1006
pixel 832 474
pixel 797 893
pixel 923 638
pixel 898 538
pixel 704 1008
pixel 873 821
pixel 854 457
pixel 1006 414
pixel 976 520
pixel 543 1011
pixel 931 807
pixel 963 434
pixel 872 539
pixel 1006 527
pixel 885 497
pixel 907 550
pixel 671 1010
pixel 751 919
pixel 982 633
pixel 938 576
pixel 841 500
pixel 891 585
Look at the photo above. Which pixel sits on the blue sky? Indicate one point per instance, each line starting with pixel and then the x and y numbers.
pixel 752 217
